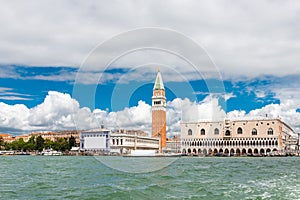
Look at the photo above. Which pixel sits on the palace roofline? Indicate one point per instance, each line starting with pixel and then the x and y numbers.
pixel 233 119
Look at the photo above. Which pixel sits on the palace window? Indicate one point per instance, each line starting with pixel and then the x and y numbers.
pixel 227 133
pixel 202 132
pixel 270 131
pixel 254 131
pixel 190 132
pixel 216 131
pixel 239 130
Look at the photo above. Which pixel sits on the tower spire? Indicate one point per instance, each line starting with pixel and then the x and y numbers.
pixel 159 84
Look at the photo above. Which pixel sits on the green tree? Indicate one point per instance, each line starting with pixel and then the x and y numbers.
pixel 32 139
pixel 62 144
pixel 56 146
pixel 1 142
pixel 40 143
pixel 31 144
pixel 48 144
pixel 18 145
pixel 72 142
pixel 7 146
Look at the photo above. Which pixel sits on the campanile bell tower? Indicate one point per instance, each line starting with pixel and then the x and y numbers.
pixel 159 110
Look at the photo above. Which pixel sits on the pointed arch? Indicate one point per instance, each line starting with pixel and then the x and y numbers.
pixel 254 131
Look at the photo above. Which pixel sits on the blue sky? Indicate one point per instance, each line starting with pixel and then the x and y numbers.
pixel 25 88
pixel 97 64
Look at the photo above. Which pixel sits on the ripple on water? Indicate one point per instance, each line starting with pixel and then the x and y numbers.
pixel 37 177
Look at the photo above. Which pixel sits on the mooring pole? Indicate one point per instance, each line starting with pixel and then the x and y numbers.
pixel 298 143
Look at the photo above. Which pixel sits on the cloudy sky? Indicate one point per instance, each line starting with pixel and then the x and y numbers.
pixel 77 64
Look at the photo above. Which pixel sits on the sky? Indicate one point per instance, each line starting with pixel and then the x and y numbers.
pixel 79 64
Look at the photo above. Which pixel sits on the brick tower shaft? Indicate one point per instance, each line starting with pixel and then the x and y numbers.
pixel 159 111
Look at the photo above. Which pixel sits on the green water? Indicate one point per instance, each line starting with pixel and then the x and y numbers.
pixel 37 177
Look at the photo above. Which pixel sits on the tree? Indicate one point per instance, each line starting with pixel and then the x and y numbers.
pixel 18 145
pixel 48 143
pixel 7 146
pixel 31 140
pixel 40 143
pixel 63 144
pixel 1 142
pixel 72 142
pixel 31 144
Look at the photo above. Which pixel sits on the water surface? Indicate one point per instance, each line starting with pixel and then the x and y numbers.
pixel 38 177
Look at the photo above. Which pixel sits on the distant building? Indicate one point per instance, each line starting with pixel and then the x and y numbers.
pixel 7 137
pixel 237 137
pixel 97 140
pixel 123 141
pixel 173 145
pixel 117 141
pixel 159 111
pixel 53 136
pixel 24 137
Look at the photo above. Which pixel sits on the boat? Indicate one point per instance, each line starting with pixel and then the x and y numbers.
pixel 22 154
pixel 149 153
pixel 51 152
pixel 6 153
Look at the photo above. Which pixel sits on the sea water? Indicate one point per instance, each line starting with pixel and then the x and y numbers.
pixel 63 177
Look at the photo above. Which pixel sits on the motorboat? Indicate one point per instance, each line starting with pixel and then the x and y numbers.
pixel 51 152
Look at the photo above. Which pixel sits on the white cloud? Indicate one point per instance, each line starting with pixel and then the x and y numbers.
pixel 57 107
pixel 14 98
pixel 245 38
pixel 236 114
pixel 8 94
pixel 4 89
pixel 228 96
pixel 286 90
pixel 260 94
pixel 60 112
pixel 137 117
pixel 13 117
pixel 286 110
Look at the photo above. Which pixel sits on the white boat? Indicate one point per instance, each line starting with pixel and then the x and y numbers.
pixel 7 153
pixel 51 152
pixel 149 153
pixel 139 153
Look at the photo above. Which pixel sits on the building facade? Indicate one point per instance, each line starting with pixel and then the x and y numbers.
pixel 123 141
pixel 24 137
pixel 159 111
pixel 262 136
pixel 173 145
pixel 97 140
pixel 53 136
pixel 117 141
pixel 7 137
